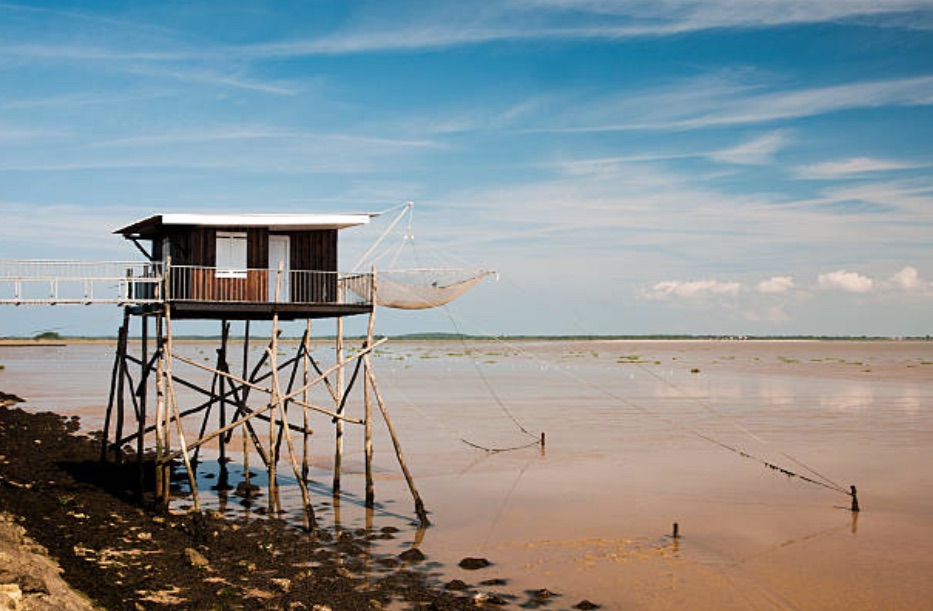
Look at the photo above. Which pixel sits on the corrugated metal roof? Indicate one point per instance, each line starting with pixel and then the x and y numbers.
pixel 152 224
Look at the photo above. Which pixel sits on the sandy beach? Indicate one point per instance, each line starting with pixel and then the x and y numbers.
pixel 640 435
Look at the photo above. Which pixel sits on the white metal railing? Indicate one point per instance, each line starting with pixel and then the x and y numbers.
pixel 24 282
pixel 209 285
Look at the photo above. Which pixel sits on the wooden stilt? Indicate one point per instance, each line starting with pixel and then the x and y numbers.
pixel 209 407
pixel 306 356
pixel 368 408
pixel 161 491
pixel 246 474
pixel 222 357
pixel 173 405
pixel 121 379
pixel 274 393
pixel 105 436
pixel 143 393
pixel 338 425
pixel 419 505
pixel 310 522
pixel 288 392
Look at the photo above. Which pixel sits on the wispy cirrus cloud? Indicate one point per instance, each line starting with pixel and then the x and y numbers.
pixel 449 24
pixel 854 166
pixel 708 14
pixel 262 132
pixel 733 100
pixel 757 151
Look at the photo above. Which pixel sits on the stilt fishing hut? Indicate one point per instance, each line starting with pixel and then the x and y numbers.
pixel 243 268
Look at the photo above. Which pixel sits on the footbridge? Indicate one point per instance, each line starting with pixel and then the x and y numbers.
pixel 41 282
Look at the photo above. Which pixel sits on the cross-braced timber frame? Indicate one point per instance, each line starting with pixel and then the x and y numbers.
pixel 257 403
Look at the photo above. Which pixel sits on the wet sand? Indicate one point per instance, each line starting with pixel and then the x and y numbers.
pixel 590 516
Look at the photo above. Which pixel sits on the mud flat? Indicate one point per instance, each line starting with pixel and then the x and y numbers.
pixel 118 554
pixel 590 516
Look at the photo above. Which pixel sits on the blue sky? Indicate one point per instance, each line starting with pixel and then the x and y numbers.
pixel 672 166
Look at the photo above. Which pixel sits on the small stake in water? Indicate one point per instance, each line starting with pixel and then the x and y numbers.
pixel 854 494
pixel 676 534
pixel 542 439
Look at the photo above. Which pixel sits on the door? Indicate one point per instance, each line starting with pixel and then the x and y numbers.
pixel 279 248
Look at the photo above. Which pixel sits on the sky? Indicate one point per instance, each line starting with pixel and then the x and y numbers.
pixel 737 167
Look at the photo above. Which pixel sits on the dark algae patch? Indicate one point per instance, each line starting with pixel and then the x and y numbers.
pixel 128 555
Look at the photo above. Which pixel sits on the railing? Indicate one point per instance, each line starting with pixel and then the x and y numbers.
pixel 210 285
pixel 25 282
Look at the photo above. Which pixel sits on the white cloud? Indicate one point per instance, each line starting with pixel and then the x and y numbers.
pixel 842 280
pixel 776 285
pixel 908 280
pixel 757 151
pixel 852 167
pixel 692 289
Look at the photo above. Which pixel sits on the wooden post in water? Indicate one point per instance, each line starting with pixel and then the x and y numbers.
pixel 117 359
pixel 419 505
pixel 248 490
pixel 143 393
pixel 306 358
pixel 275 397
pixel 367 405
pixel 121 380
pixel 173 404
pixel 162 491
pixel 280 415
pixel 222 357
pixel 338 425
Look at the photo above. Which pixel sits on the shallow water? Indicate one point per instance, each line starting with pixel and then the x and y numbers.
pixel 629 452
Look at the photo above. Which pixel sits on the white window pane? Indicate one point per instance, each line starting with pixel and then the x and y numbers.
pixel 231 255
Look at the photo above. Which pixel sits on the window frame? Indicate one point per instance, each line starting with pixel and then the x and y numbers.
pixel 231 254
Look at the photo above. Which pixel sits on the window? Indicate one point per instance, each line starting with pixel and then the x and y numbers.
pixel 231 254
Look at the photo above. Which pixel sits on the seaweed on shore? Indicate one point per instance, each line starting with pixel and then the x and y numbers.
pixel 124 555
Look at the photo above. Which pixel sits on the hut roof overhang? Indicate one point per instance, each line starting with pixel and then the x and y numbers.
pixel 153 226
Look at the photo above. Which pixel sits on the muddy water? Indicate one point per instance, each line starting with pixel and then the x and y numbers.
pixel 637 439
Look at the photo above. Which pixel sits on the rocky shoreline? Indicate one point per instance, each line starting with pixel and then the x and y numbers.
pixel 123 555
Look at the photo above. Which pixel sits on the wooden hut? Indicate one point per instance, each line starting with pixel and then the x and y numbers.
pixel 226 266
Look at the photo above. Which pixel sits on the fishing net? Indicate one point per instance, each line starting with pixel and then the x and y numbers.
pixel 420 289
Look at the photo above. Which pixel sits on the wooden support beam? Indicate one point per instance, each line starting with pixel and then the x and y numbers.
pixel 368 412
pixel 213 435
pixel 173 405
pixel 142 391
pixel 339 404
pixel 105 436
pixel 419 505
